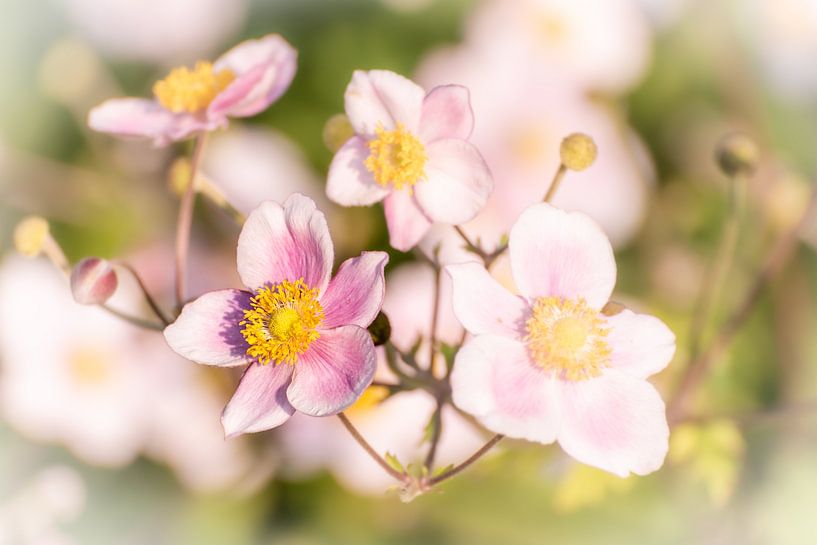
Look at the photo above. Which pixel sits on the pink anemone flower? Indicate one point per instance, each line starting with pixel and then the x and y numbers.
pixel 548 365
pixel 303 336
pixel 411 151
pixel 241 83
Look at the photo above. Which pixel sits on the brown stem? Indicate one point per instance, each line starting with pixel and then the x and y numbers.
pixel 554 184
pixel 437 422
pixel 698 367
pixel 369 449
pixel 435 311
pixel 154 306
pixel 464 465
pixel 185 221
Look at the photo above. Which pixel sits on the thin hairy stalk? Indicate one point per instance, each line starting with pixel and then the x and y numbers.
pixel 154 306
pixel 713 282
pixel 184 223
pixel 554 184
pixel 464 465
pixel 370 450
pixel 699 366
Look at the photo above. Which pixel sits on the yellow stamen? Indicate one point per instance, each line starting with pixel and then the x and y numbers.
pixel 185 90
pixel 282 322
pixel 396 157
pixel 568 337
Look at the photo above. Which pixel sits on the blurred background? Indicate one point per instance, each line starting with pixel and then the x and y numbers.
pixel 107 437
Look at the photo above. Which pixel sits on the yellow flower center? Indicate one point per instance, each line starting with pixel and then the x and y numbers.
pixel 567 337
pixel 185 90
pixel 282 322
pixel 396 157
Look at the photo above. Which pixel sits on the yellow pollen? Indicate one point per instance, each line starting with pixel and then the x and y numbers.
pixel 568 337
pixel 185 90
pixel 282 322
pixel 396 157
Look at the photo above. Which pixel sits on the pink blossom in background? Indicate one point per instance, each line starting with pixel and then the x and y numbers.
pixel 241 83
pixel 547 365
pixel 302 335
pixel 524 112
pixel 411 151
pixel 395 424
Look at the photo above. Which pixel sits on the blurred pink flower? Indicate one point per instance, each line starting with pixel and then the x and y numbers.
pixel 241 83
pixel 310 329
pixel 548 365
pixel 524 112
pixel 396 424
pixel 411 151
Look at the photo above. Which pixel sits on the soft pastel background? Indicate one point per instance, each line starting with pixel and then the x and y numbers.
pixel 106 437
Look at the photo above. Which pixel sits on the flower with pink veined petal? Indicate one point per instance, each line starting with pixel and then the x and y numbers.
pixel 241 83
pixel 549 365
pixel 303 336
pixel 411 151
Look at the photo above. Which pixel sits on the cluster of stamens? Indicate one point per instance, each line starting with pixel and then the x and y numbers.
pixel 185 90
pixel 567 337
pixel 282 322
pixel 396 157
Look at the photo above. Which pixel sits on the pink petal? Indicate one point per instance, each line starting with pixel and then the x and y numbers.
pixel 494 381
pixel 615 422
pixel 333 372
pixel 207 330
pixel 483 306
pixel 355 294
pixel 562 254
pixel 264 69
pixel 406 222
pixel 642 345
pixel 286 242
pixel 458 182
pixel 260 401
pixel 382 98
pixel 349 182
pixel 142 118
pixel 446 114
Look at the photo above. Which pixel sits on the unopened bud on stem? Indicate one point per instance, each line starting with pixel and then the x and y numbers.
pixel 93 281
pixel 737 154
pixel 380 329
pixel 578 151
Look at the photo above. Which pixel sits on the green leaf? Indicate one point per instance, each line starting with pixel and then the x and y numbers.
pixel 394 463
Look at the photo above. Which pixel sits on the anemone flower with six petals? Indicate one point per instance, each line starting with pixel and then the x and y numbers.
pixel 241 83
pixel 549 365
pixel 411 151
pixel 303 335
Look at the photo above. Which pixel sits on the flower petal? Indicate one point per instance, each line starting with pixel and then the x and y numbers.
pixel 562 254
pixel 406 222
pixel 457 183
pixel 494 381
pixel 333 372
pixel 286 242
pixel 380 97
pixel 615 422
pixel 264 69
pixel 355 294
pixel 483 306
pixel 349 182
pixel 446 113
pixel 142 118
pixel 641 345
pixel 207 330
pixel 260 401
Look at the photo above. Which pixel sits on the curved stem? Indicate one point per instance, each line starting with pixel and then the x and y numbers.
pixel 154 306
pixel 437 422
pixel 554 184
pixel 133 320
pixel 185 220
pixel 435 311
pixel 464 465
pixel 369 449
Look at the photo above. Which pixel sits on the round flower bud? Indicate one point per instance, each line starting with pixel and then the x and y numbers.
pixel 337 131
pixel 380 329
pixel 30 236
pixel 737 154
pixel 93 281
pixel 578 151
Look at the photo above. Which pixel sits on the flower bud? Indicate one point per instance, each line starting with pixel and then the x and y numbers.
pixel 380 329
pixel 93 281
pixel 737 154
pixel 578 151
pixel 337 131
pixel 31 235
